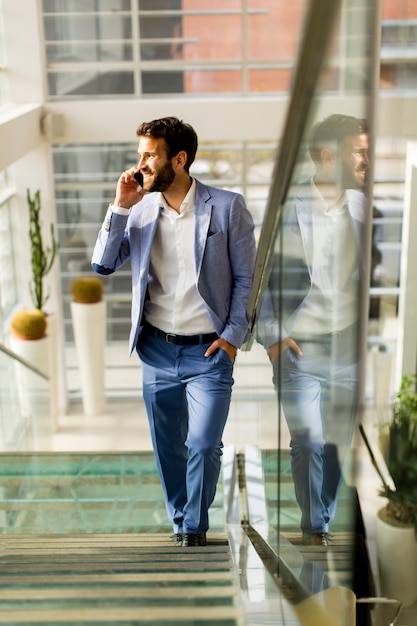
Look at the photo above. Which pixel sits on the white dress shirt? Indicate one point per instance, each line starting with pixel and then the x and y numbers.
pixel 174 304
pixel 332 303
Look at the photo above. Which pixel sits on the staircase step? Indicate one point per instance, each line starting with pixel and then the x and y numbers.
pixel 122 579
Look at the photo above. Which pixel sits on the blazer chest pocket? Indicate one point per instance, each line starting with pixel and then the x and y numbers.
pixel 214 239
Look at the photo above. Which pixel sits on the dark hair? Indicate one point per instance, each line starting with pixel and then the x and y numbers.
pixel 332 131
pixel 177 134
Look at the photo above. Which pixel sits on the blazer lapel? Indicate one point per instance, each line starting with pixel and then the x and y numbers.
pixel 148 222
pixel 305 221
pixel 203 209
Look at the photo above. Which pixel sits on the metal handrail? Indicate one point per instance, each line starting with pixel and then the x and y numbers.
pixel 381 600
pixel 19 359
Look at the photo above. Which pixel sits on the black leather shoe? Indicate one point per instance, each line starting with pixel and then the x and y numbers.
pixel 193 540
pixel 316 539
pixel 176 537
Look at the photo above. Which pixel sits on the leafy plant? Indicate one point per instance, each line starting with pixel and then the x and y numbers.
pixel 42 258
pixel 398 442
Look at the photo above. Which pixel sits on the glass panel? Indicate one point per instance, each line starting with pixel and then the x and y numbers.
pixel 398 46
pixel 3 78
pixel 196 81
pixel 77 32
pixel 189 32
pixel 12 422
pixel 212 81
pixel 398 76
pixel 86 83
pixel 161 35
pixel 269 80
pixel 200 40
pixel 100 493
pixel 25 408
pixel 206 32
pixel 2 47
pixel 85 180
pixel 77 52
pixel 8 294
pixel 8 284
pixel 87 27
pixel 388 207
pixel 274 29
pixel 162 82
pixel 87 6
pixel 311 315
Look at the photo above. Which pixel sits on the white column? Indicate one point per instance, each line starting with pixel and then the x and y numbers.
pixel 89 324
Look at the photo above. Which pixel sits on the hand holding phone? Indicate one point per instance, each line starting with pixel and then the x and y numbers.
pixel 138 176
pixel 129 187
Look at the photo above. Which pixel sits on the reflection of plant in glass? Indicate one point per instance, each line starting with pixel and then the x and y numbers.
pixel 42 258
pixel 398 442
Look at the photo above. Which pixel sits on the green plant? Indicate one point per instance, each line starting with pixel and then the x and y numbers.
pixel 398 443
pixel 42 258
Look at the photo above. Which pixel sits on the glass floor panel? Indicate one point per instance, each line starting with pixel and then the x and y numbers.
pixel 47 493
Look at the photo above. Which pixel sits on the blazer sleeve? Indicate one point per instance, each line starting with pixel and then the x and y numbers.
pixel 242 255
pixel 112 248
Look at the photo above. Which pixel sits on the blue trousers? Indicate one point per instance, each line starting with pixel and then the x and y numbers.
pixel 319 399
pixel 187 399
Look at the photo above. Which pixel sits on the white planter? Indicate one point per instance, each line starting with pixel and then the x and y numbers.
pixel 33 390
pixel 89 324
pixel 396 547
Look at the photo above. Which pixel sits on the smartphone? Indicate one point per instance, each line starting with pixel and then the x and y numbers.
pixel 139 179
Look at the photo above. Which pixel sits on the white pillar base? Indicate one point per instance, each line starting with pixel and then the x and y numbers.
pixel 397 560
pixel 89 324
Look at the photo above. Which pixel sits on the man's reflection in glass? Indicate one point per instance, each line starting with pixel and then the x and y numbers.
pixel 314 293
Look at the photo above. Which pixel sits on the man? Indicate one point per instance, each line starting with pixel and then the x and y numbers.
pixel 192 253
pixel 312 307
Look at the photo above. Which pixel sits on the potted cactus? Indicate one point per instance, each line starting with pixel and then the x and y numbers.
pixel 398 444
pixel 29 325
pixel 87 290
pixel 42 257
pixel 24 323
pixel 88 311
pixel 32 331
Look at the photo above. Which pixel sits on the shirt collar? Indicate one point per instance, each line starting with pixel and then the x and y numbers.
pixel 187 204
pixel 321 203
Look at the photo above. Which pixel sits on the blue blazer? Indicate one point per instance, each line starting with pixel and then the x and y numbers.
pixel 224 256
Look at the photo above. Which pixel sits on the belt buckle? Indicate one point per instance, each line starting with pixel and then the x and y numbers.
pixel 168 337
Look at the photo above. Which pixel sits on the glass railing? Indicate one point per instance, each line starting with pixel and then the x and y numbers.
pixel 25 411
pixel 309 311
pixel 337 46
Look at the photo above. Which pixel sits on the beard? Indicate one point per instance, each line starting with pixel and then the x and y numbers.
pixel 354 179
pixel 163 179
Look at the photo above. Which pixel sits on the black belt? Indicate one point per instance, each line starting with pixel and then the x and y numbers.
pixel 180 340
